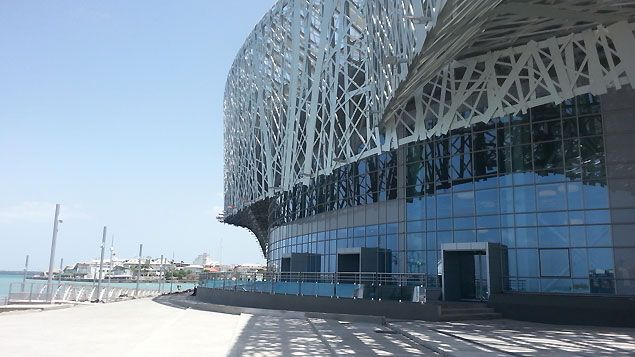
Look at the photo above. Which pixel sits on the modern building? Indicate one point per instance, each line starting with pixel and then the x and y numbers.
pixel 486 145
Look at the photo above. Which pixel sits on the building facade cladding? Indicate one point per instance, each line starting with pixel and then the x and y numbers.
pixel 555 186
pixel 400 125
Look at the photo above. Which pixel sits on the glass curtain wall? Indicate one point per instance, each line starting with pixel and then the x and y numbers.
pixel 534 182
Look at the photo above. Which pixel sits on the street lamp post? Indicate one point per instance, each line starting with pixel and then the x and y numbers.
pixel 112 251
pixel 59 277
pixel 26 269
pixel 161 276
pixel 139 270
pixel 49 292
pixel 101 264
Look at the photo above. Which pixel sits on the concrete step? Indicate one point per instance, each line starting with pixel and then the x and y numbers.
pixel 455 312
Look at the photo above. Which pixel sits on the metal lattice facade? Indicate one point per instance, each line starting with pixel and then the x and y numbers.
pixel 321 84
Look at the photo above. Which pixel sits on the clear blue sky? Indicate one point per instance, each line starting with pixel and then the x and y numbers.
pixel 114 109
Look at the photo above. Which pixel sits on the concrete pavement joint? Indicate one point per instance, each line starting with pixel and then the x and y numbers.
pixel 467 340
pixel 322 338
pixel 415 339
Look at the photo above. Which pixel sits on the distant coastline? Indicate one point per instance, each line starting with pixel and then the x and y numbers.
pixel 21 272
pixel 133 280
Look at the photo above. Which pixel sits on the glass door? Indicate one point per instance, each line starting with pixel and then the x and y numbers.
pixel 480 277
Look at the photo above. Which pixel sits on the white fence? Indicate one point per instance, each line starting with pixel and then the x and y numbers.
pixel 57 293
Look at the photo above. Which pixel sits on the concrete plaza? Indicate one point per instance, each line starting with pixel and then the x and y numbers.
pixel 173 328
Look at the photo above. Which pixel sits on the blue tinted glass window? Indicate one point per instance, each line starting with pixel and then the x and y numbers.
pixel 576 217
pixel 444 206
pixel 553 218
pixel 524 199
pixel 598 236
pixel 597 217
pixel 487 202
pixel 486 182
pixel 511 261
pixel 507 200
pixel 553 236
pixel 488 235
pixel 488 221
pixel 464 223
pixel 595 196
pixel 507 220
pixel 444 224
pixel 579 263
pixel 555 285
pixel 463 203
pixel 580 286
pixel 527 260
pixel 526 237
pixel 525 219
pixel 431 206
pixel 554 262
pixel 577 236
pixel 392 242
pixel 551 197
pixel 372 242
pixel 443 237
pixel 392 228
pixel 465 236
pixel 524 178
pixel 416 261
pixel 417 226
pixel 432 262
pixel 508 237
pixel 600 260
pixel 415 241
pixel 431 240
pixel 574 195
pixel 415 209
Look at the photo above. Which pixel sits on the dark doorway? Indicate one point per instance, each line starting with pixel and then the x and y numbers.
pixel 471 271
pixel 463 275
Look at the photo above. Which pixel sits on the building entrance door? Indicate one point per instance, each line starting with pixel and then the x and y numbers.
pixel 471 271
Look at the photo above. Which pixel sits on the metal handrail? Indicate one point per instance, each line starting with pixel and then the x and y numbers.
pixel 37 293
pixel 367 285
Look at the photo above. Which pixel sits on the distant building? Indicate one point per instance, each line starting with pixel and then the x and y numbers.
pixel 204 260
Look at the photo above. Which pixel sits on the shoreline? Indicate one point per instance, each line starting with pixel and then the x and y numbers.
pixel 141 281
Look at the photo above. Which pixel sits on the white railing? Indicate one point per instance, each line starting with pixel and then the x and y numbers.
pixel 59 293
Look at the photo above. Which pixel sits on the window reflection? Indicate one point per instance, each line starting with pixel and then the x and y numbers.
pixel 534 182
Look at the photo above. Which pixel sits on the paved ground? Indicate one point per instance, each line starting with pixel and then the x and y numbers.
pixel 509 337
pixel 145 327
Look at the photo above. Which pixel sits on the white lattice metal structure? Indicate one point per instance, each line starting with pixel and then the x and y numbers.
pixel 322 83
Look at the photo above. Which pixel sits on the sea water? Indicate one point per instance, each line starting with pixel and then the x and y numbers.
pixel 5 282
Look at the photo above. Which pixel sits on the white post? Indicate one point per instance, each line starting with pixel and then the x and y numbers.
pixel 26 269
pixel 139 270
pixel 161 275
pixel 112 249
pixel 59 277
pixel 172 277
pixel 101 264
pixel 49 294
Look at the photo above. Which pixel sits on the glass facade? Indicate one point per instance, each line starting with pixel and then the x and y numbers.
pixel 536 183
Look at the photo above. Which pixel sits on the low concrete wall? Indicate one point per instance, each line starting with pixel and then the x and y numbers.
pixel 567 309
pixel 389 309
